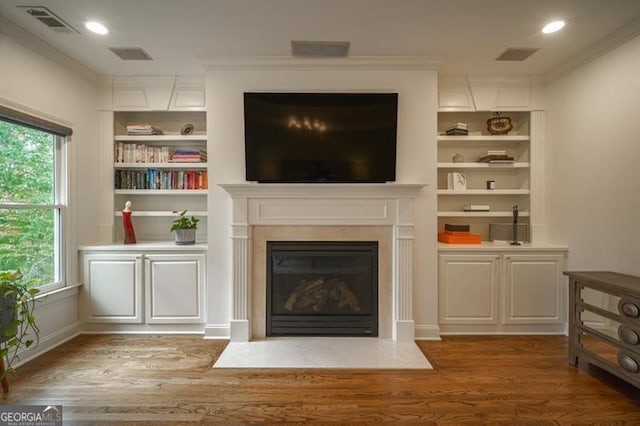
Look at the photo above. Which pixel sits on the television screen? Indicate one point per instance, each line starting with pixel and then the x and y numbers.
pixel 320 137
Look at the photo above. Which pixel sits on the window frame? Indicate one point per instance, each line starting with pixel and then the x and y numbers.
pixel 60 202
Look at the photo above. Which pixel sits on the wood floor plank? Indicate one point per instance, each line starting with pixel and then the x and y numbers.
pixel 168 379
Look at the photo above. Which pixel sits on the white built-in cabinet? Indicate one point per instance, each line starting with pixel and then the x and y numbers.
pixel 501 290
pixel 149 285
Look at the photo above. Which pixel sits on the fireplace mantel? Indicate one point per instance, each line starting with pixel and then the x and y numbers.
pixel 388 204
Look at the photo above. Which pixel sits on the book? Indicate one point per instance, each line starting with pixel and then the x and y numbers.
pixel 477 208
pixel 494 152
pixel 456 228
pixel 490 158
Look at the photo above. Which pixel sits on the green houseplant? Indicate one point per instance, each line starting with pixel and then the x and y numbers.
pixel 185 228
pixel 17 323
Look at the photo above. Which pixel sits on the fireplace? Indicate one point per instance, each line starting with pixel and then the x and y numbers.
pixel 326 288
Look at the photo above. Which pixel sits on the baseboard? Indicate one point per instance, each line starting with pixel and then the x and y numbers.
pixel 217 331
pixel 49 342
pixel 427 332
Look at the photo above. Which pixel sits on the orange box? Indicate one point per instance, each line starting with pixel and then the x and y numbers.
pixel 459 239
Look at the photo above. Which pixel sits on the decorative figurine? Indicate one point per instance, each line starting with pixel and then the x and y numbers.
pixel 515 226
pixel 129 234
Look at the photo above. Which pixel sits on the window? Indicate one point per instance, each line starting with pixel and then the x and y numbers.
pixel 32 208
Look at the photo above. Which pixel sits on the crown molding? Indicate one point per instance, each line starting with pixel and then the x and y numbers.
pixel 349 63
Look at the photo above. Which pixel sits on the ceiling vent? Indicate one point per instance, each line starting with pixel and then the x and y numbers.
pixel 517 53
pixel 131 53
pixel 320 49
pixel 50 19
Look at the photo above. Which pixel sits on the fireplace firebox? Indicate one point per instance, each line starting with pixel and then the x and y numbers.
pixel 322 288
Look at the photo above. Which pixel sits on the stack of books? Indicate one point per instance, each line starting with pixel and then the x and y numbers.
pixel 495 156
pixel 142 129
pixel 458 234
pixel 188 155
pixel 460 129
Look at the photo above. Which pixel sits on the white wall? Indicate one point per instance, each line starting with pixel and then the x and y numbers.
pixel 36 78
pixel 593 162
pixel 416 158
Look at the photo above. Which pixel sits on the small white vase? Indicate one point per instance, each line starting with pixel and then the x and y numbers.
pixel 185 236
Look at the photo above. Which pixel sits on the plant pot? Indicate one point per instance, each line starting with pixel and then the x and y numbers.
pixel 185 236
pixel 8 314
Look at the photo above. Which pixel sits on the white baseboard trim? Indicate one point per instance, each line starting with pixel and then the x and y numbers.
pixel 427 332
pixel 49 342
pixel 217 331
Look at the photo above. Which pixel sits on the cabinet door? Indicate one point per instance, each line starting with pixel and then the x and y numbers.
pixel 113 288
pixel 533 289
pixel 175 287
pixel 468 289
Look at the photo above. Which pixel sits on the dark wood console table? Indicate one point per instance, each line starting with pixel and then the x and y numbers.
pixel 604 322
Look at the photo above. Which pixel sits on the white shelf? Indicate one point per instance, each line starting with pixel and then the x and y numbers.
pixel 160 165
pixel 520 165
pixel 482 214
pixel 161 138
pixel 162 213
pixel 160 192
pixel 484 138
pixel 484 192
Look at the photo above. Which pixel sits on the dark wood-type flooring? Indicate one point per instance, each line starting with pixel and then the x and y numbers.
pixel 481 380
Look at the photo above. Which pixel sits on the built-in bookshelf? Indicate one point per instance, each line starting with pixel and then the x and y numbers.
pixel 509 180
pixel 161 174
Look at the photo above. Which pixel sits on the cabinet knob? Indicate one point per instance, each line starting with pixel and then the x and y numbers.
pixel 628 335
pixel 628 309
pixel 627 362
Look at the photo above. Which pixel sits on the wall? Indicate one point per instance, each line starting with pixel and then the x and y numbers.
pixel 416 163
pixel 593 162
pixel 39 80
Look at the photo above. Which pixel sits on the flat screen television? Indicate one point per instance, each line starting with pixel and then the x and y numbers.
pixel 320 137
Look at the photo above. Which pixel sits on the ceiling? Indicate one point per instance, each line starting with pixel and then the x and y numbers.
pixel 466 34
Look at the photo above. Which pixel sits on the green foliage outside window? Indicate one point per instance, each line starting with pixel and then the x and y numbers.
pixel 27 176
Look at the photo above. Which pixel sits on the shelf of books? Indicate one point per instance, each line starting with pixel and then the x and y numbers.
pixel 160 165
pixel 482 176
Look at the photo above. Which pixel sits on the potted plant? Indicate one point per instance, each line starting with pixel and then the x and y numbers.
pixel 185 228
pixel 17 322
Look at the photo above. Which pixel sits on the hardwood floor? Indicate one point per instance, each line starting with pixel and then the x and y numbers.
pixel 483 380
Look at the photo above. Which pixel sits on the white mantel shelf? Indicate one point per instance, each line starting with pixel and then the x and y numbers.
pixel 385 204
pixel 322 190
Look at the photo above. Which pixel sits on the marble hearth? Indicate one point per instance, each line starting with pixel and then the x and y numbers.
pixel 323 212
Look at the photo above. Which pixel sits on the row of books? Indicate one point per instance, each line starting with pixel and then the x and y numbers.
pixel 141 153
pixel 161 179
pixel 142 129
pixel 458 234
pixel 460 129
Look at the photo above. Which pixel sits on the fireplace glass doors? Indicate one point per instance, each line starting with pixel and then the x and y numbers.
pixel 322 288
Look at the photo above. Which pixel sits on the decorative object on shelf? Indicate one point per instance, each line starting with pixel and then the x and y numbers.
pixel 185 228
pixel 491 184
pixel 187 129
pixel 456 181
pixel 458 234
pixel 499 125
pixel 129 233
pixel 515 227
pixel 460 129
pixel 476 208
pixel 495 156
pixel 504 232
pixel 17 321
pixel 458 158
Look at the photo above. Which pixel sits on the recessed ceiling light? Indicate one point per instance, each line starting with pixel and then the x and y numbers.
pixel 96 27
pixel 554 26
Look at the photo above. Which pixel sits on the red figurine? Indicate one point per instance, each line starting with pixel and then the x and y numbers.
pixel 129 234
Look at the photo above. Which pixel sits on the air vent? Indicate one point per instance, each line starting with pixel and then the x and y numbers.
pixel 131 53
pixel 50 19
pixel 320 49
pixel 517 53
